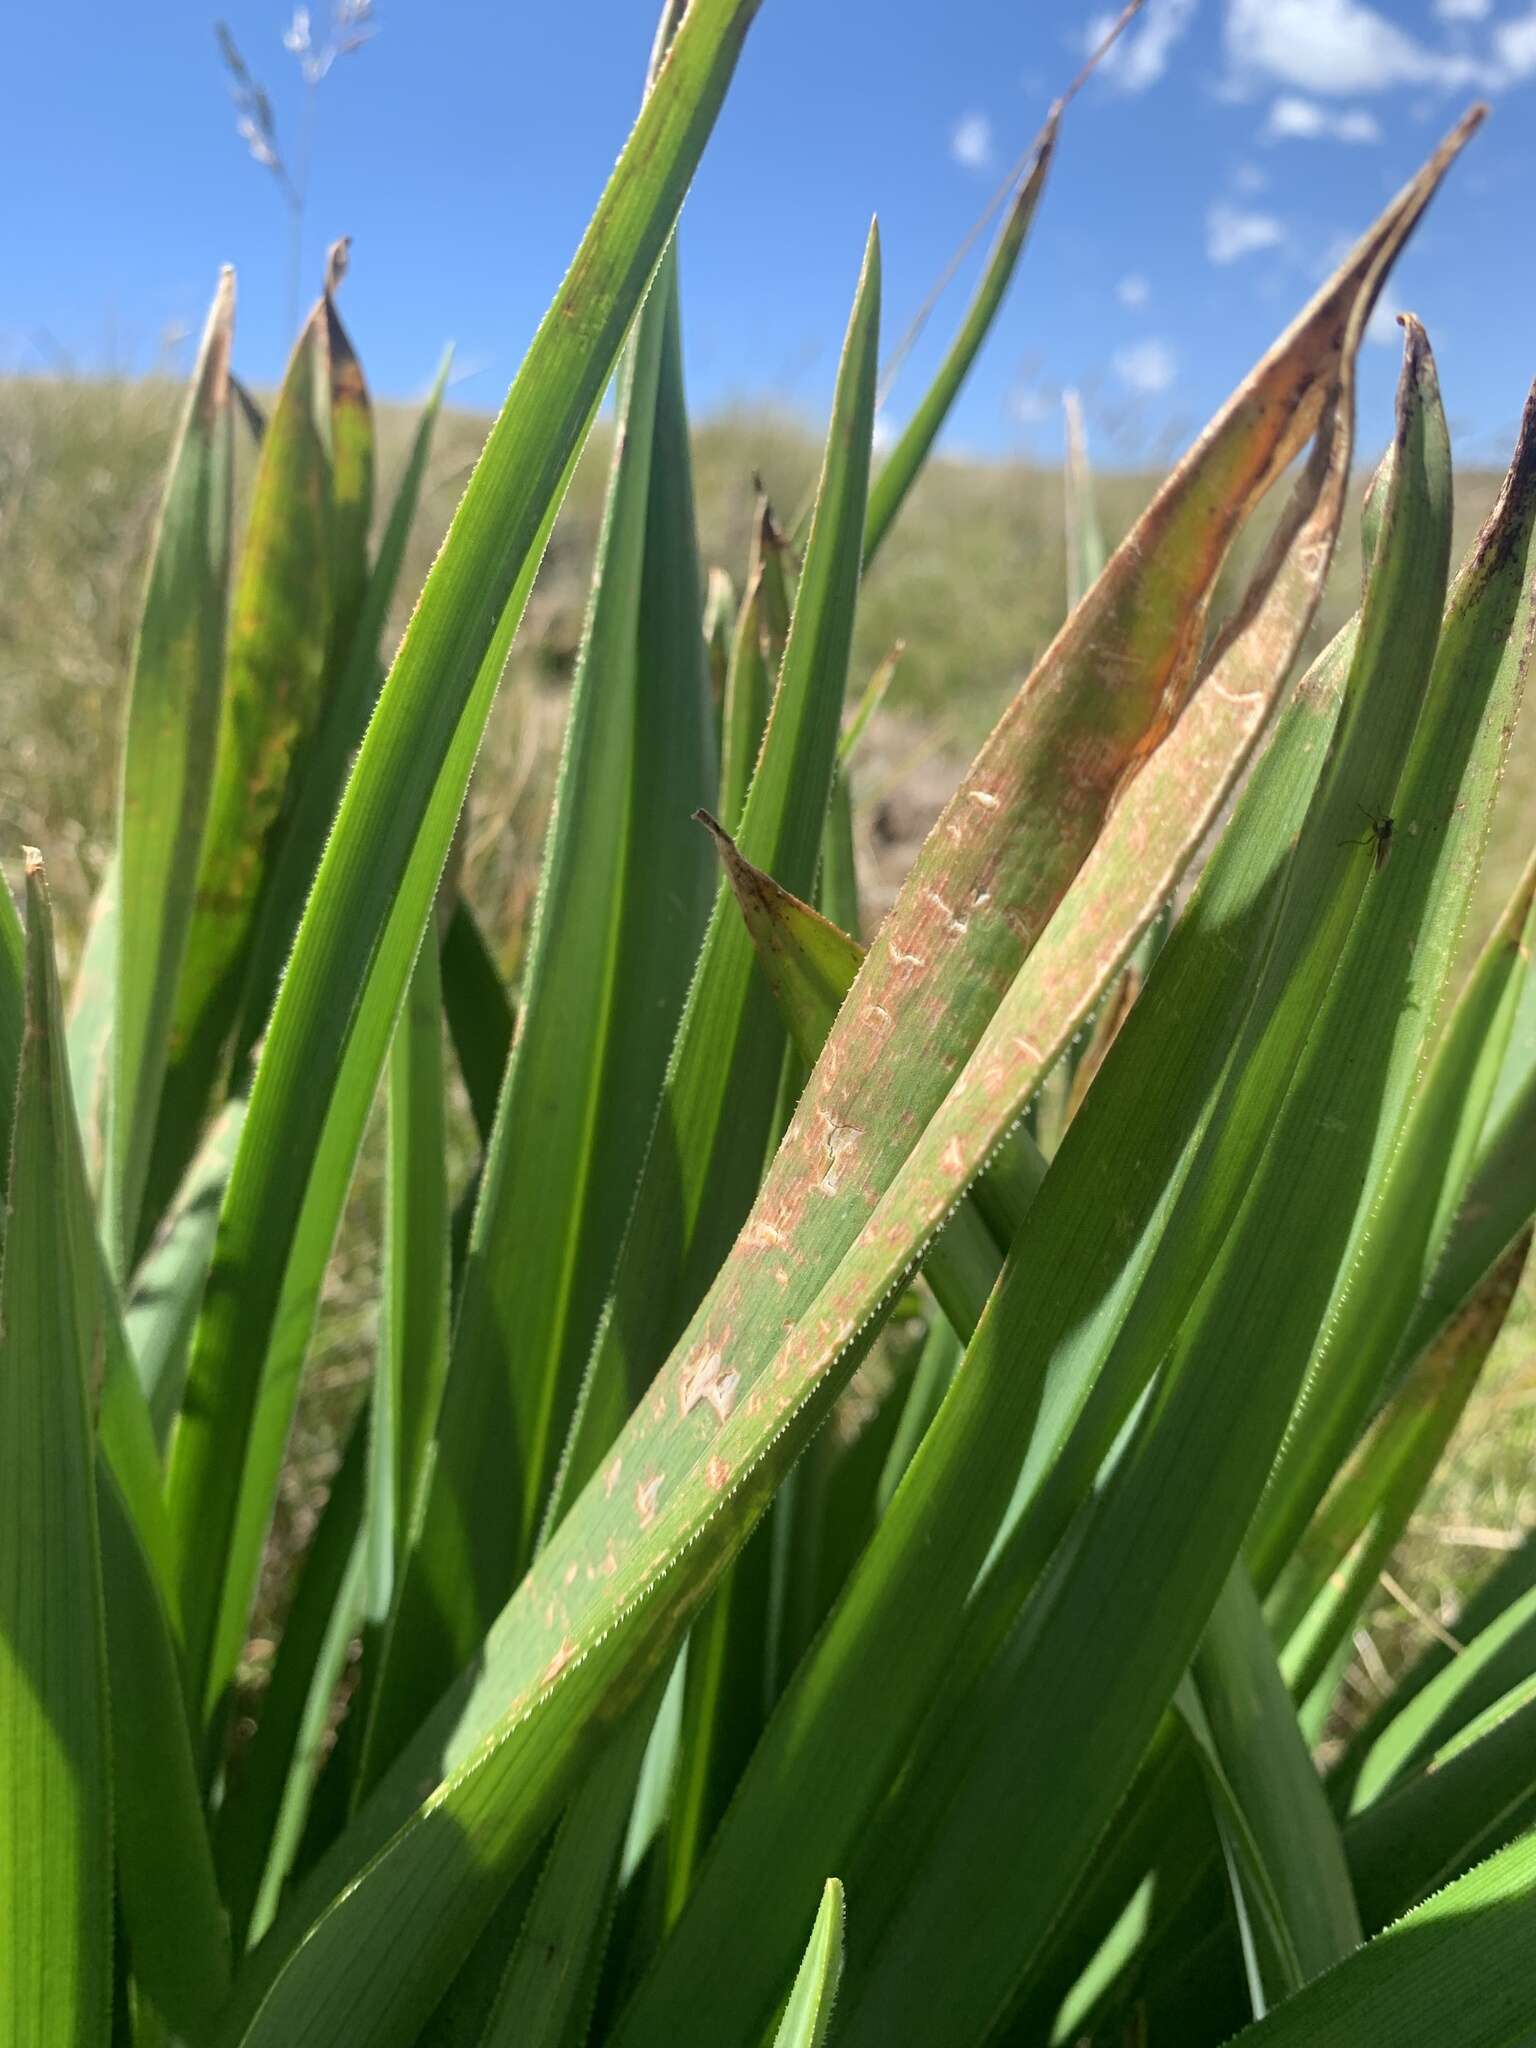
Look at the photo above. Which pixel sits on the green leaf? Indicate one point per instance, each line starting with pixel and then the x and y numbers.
pixel 871 697
pixel 92 1005
pixel 1458 1972
pixel 728 1681
pixel 874 1670
pixel 266 1798
pixel 808 2015
pixel 704 1161
pixel 168 1287
pixel 55 1783
pixel 1271 1965
pixel 1495 1024
pixel 170 1910
pixel 936 1367
pixel 1085 538
pixel 275 657
pixel 513 1731
pixel 809 962
pixel 1497 1658
pixel 720 609
pixel 167 764
pixel 1121 1610
pixel 13 1017
pixel 364 919
pixel 353 671
pixel 349 418
pixel 1457 1807
pixel 900 469
pixel 550 1971
pixel 178 1938
pixel 1334 1568
pixel 606 980
pixel 413 1349
pixel 479 1013
pixel 1254 1733
pixel 1443 807
pixel 757 649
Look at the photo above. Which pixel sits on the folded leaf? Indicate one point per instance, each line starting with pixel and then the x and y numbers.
pixel 55 1787
pixel 808 2016
pixel 167 763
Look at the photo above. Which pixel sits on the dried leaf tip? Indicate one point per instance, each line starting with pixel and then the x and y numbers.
pixel 338 259
pixel 724 843
pixel 1101 49
pixel 32 859
pixel 772 538
pixel 745 880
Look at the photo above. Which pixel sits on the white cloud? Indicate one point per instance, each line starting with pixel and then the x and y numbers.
pixel 1292 118
pixel 1147 367
pixel 1140 57
pixel 1338 47
pixel 1249 178
pixel 970 143
pixel 1029 405
pixel 1463 10
pixel 1514 43
pixel 1231 233
pixel 1133 290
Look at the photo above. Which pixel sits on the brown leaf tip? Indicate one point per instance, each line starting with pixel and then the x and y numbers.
pixel 338 260
pixel 725 844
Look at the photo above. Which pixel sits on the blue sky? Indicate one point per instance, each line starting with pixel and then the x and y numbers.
pixel 1203 185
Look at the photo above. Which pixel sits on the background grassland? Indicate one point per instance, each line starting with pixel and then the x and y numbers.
pixel 972 581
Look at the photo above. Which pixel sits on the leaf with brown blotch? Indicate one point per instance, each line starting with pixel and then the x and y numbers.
pixel 935 1053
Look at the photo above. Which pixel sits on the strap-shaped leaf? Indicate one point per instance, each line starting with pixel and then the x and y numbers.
pixel 13 1016
pixel 364 919
pixel 170 1910
pixel 348 415
pixel 1443 810
pixel 718 1108
pixel 167 761
pixel 1331 1573
pixel 901 467
pixel 1461 1804
pixel 168 1287
pixel 1138 1562
pixel 512 1732
pixel 1458 1972
pixel 354 671
pixel 1497 1658
pixel 275 661
pixel 810 964
pixel 55 1779
pixel 479 1012
pixel 267 1792
pixel 549 1973
pixel 413 1354
pixel 911 1587
pixel 1254 1732
pixel 808 2016
pixel 757 648
pixel 596 1020
pixel 1085 538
